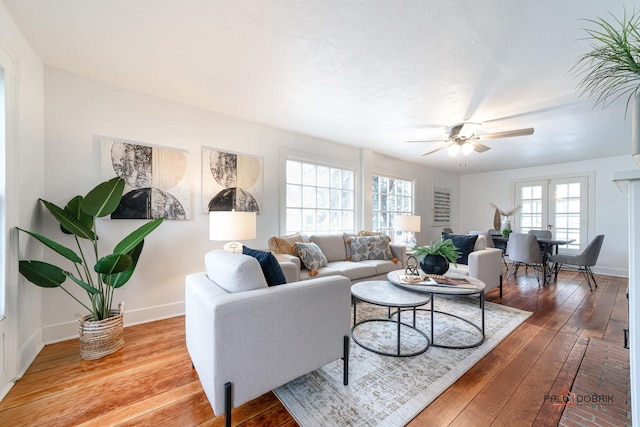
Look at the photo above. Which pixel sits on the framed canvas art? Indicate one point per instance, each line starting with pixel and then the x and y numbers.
pixel 441 207
pixel 231 181
pixel 156 179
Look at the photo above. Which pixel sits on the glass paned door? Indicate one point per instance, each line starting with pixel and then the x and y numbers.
pixel 559 205
pixel 569 211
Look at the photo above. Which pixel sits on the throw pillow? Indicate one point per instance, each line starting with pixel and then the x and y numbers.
pixel 365 233
pixel 372 247
pixel 311 256
pixel 464 243
pixel 269 264
pixel 284 244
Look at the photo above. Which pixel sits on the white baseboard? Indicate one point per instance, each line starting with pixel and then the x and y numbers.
pixel 26 355
pixel 69 330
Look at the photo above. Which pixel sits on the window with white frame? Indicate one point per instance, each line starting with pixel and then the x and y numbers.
pixel 320 199
pixel 391 197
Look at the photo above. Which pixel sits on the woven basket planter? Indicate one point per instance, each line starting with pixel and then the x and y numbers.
pixel 99 338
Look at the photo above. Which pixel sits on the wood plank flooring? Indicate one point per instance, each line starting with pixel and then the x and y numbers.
pixel 151 383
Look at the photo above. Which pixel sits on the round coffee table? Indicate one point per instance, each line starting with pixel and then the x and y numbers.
pixel 385 294
pixel 464 285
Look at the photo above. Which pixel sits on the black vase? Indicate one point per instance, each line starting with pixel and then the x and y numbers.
pixel 434 264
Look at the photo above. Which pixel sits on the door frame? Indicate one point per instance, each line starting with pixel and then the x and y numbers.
pixel 8 321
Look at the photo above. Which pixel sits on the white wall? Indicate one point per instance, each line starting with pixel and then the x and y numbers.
pixel 25 184
pixel 77 108
pixel 610 219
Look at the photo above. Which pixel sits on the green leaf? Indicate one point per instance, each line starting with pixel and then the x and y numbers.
pixel 120 279
pixel 62 250
pixel 113 264
pixel 42 274
pixel 87 287
pixel 134 238
pixel 69 222
pixel 104 199
pixel 73 208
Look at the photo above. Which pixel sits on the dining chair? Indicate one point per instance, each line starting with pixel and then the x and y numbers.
pixel 523 249
pixel 582 262
pixel 543 234
pixel 500 245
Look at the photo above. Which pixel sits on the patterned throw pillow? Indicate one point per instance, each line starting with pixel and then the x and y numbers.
pixel 311 256
pixel 365 233
pixel 373 247
pixel 284 244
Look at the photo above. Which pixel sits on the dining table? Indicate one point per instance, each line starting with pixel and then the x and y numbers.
pixel 547 246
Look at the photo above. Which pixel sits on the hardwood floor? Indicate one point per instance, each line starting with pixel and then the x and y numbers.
pixel 151 382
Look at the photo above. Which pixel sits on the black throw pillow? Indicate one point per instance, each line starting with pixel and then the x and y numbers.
pixel 270 267
pixel 464 243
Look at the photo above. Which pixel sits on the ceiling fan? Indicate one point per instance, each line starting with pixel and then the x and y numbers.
pixel 463 138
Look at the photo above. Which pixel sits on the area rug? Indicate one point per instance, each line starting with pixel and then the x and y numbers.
pixel 391 391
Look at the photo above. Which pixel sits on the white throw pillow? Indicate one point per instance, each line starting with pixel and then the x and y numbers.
pixel 234 272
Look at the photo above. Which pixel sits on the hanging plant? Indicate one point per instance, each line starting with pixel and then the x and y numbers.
pixel 611 69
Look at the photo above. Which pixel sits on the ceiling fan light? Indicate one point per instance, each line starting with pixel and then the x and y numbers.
pixel 467 148
pixel 454 149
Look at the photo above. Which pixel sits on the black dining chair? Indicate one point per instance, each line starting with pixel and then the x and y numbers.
pixel 582 262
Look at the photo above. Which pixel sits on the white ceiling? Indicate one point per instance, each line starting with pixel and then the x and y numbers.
pixel 368 73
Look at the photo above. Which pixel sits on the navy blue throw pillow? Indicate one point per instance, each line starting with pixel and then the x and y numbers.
pixel 270 266
pixel 464 243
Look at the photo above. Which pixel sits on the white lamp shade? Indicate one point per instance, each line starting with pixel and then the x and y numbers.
pixel 232 225
pixel 407 223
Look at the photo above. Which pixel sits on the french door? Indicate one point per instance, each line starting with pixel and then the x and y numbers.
pixel 560 205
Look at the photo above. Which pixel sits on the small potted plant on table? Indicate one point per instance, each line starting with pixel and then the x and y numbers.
pixel 435 257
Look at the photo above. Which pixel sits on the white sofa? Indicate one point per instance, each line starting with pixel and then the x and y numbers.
pixel 484 264
pixel 337 250
pixel 246 338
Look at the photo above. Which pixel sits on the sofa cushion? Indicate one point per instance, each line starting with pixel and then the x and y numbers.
pixel 382 266
pixel 270 266
pixel 311 256
pixel 284 244
pixel 464 243
pixel 353 270
pixel 331 245
pixel 234 272
pixel 372 247
pixel 321 272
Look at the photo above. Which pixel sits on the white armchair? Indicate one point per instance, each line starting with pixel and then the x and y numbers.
pixel 243 344
pixel 484 264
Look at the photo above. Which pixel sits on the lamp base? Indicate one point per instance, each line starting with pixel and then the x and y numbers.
pixel 233 247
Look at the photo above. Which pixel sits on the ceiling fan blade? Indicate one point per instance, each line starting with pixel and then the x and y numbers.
pixel 507 134
pixel 436 150
pixel 480 148
pixel 428 140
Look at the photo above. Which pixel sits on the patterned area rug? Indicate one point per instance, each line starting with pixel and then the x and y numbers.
pixel 391 391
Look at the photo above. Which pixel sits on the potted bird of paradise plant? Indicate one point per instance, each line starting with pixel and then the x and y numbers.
pixel 99 276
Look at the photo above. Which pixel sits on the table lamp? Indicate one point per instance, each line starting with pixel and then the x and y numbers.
pixel 233 226
pixel 407 223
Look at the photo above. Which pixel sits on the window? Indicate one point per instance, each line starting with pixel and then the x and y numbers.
pixel 391 196
pixel 320 199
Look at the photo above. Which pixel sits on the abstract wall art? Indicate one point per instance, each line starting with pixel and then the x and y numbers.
pixel 231 181
pixel 156 179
